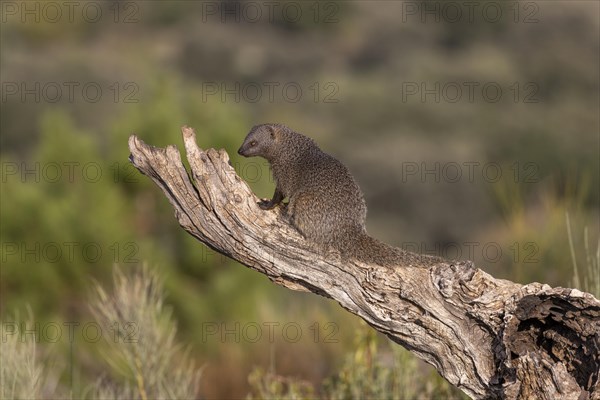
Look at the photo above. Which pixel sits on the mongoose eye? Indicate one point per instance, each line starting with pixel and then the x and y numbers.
pixel 253 143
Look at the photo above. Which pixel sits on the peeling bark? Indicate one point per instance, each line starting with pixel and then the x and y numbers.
pixel 491 338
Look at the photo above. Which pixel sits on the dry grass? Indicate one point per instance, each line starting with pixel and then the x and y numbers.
pixel 590 281
pixel 143 348
pixel 20 372
pixel 144 360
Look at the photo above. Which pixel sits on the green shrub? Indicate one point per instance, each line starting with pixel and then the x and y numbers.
pixel 367 373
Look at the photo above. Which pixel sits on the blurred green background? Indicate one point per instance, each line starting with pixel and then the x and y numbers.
pixel 471 130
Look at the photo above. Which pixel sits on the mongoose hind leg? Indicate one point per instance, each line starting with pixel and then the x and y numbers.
pixel 309 216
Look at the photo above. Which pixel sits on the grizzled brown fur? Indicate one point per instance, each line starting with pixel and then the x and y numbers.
pixel 325 203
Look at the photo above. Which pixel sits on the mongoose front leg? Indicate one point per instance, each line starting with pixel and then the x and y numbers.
pixel 270 204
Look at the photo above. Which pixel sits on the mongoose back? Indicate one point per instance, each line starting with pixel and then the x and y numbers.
pixel 325 203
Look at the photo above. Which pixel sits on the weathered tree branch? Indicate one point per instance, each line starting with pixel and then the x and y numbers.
pixel 492 338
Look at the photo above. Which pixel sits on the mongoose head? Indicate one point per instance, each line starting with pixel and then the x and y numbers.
pixel 261 141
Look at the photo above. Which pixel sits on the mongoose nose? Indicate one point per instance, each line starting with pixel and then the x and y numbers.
pixel 240 151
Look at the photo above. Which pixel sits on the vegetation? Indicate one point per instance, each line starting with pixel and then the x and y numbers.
pixel 143 360
pixel 21 374
pixel 144 348
pixel 590 281
pixel 71 206
pixel 369 372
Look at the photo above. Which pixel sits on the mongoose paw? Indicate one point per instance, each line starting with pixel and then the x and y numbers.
pixel 266 204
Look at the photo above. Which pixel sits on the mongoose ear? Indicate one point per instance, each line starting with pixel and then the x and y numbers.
pixel 271 131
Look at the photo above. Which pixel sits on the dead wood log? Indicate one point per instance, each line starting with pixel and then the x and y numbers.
pixel 491 338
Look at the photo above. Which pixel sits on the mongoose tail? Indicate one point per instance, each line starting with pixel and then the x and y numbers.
pixel 368 249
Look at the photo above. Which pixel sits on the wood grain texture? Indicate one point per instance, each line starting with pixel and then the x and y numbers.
pixel 491 338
